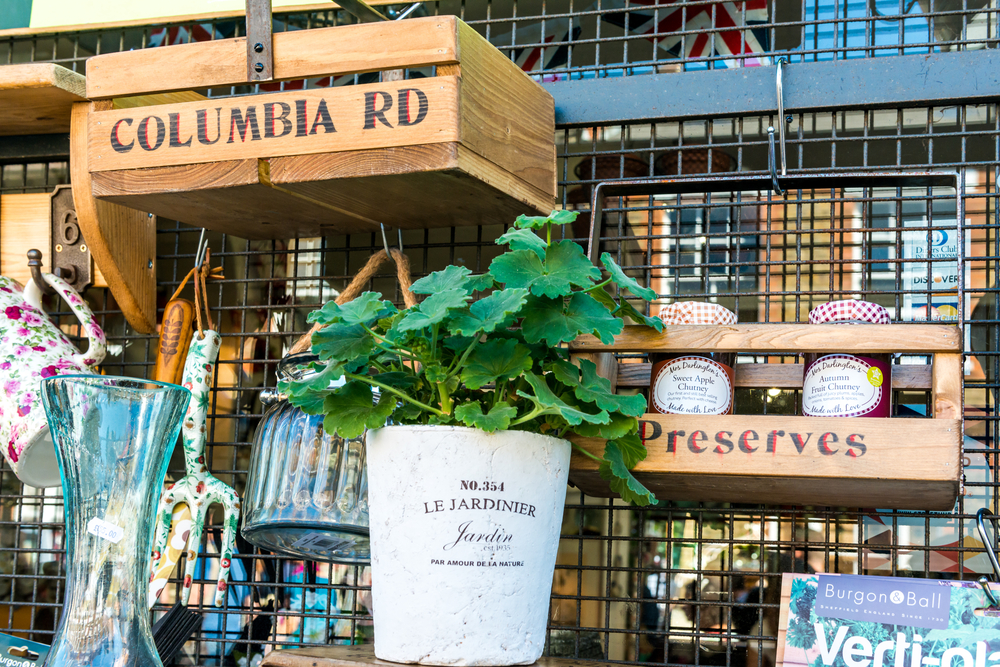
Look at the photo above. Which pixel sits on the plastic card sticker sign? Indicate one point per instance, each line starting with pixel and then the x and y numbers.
pixel 17 652
pixel 830 620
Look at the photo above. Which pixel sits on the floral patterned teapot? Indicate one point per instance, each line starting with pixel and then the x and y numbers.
pixel 32 348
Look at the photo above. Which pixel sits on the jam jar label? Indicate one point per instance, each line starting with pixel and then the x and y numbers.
pixel 842 385
pixel 692 386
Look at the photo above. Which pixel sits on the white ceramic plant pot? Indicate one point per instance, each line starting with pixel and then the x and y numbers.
pixel 464 532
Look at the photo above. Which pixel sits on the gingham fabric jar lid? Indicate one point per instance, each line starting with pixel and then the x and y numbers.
pixel 850 310
pixel 696 312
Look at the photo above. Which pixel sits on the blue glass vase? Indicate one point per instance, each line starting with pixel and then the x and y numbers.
pixel 112 438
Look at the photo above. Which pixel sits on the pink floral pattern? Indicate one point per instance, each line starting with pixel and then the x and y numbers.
pixel 32 348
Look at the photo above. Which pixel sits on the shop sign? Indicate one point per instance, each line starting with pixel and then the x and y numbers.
pixel 830 620
pixel 260 126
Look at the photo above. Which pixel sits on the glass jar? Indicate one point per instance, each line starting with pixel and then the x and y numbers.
pixel 307 491
pixel 842 384
pixel 693 384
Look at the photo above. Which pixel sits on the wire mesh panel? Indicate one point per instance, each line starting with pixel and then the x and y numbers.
pixel 678 583
pixel 563 39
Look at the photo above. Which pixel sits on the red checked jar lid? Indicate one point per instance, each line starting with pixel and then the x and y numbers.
pixel 693 384
pixel 847 385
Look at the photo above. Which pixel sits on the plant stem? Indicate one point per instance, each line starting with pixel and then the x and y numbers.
pixel 548 234
pixel 528 417
pixel 458 364
pixel 445 397
pixel 389 342
pixel 434 340
pixel 585 452
pixel 396 392
pixel 598 286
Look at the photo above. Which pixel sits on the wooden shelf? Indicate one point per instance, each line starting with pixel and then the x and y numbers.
pixel 772 338
pixel 895 463
pixel 359 656
pixel 36 98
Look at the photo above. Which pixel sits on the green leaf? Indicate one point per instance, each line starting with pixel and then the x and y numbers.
pixel 628 310
pixel 309 393
pixel 435 372
pixel 566 372
pixel 550 320
pixel 632 449
pixel 616 472
pixel 517 268
pixel 596 389
pixel 350 410
pixel 524 239
pixel 539 221
pixel 362 310
pixel 620 425
pixel 453 277
pixel 565 265
pixel 479 283
pixel 619 278
pixel 550 404
pixel 531 221
pixel 433 309
pixel 487 314
pixel 494 360
pixel 342 342
pixel 563 217
pixel 497 419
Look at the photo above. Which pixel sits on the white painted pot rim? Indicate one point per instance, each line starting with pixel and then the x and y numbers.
pixel 452 427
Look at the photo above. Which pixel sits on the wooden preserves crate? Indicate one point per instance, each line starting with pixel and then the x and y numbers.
pixel 895 463
pixel 472 145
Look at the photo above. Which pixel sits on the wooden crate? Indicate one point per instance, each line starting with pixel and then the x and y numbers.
pixel 854 462
pixel 472 145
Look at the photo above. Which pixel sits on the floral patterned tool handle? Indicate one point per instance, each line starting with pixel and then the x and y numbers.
pixel 199 488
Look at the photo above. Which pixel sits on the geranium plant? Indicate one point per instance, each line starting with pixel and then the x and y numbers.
pixel 496 363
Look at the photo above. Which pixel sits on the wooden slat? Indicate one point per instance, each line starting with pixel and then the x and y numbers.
pixel 947 386
pixel 25 223
pixel 515 136
pixel 122 240
pixel 810 461
pixel 35 98
pixel 159 18
pixel 168 135
pixel 782 376
pixel 363 655
pixel 747 338
pixel 362 47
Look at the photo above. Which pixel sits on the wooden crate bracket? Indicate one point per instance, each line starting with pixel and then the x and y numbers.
pixel 894 463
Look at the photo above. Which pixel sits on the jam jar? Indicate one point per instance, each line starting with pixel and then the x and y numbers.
pixel 847 385
pixel 693 384
pixel 307 491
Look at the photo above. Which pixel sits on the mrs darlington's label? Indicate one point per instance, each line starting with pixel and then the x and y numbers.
pixel 843 385
pixel 692 386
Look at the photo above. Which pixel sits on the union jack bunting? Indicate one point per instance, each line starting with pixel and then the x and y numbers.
pixel 713 28
pixel 555 54
pixel 195 32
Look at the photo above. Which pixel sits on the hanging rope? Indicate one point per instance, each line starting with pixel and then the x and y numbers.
pixel 360 282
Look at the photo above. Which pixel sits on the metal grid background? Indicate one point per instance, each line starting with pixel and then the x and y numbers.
pixel 573 39
pixel 681 583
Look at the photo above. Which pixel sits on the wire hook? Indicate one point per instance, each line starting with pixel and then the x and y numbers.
pixel 385 241
pixel 199 257
pixel 984 581
pixel 771 162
